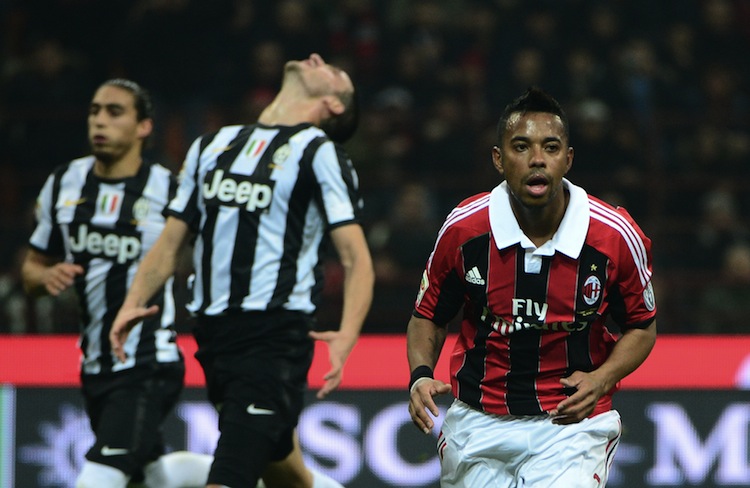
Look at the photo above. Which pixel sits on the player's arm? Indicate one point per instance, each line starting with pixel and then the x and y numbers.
pixel 424 341
pixel 157 266
pixel 630 351
pixel 359 279
pixel 43 274
pixel 636 318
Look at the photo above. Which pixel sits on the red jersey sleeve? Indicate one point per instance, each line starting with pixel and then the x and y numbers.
pixel 634 273
pixel 441 292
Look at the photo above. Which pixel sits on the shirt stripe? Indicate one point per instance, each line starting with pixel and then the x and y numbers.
pixel 263 198
pixel 107 226
pixel 633 240
pixel 521 332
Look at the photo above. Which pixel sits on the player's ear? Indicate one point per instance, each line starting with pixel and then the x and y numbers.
pixel 497 160
pixel 145 127
pixel 334 104
pixel 570 159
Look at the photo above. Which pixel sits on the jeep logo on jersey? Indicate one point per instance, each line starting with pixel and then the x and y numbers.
pixel 237 190
pixel 108 245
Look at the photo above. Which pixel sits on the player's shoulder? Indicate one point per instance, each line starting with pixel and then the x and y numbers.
pixel 75 169
pixel 222 136
pixel 313 141
pixel 470 215
pixel 483 198
pixel 305 134
pixel 612 216
pixel 610 225
pixel 84 163
pixel 159 169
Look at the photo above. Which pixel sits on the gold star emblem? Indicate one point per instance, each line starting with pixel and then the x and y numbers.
pixel 593 267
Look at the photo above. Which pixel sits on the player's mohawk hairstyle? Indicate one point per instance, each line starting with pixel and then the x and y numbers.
pixel 533 100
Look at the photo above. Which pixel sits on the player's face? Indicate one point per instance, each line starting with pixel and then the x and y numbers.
pixel 114 129
pixel 318 77
pixel 534 156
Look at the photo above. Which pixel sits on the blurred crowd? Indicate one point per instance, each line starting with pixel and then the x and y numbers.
pixel 657 93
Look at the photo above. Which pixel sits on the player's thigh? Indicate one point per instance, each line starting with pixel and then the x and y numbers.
pixel 257 418
pixel 128 432
pixel 474 451
pixel 579 455
pixel 290 472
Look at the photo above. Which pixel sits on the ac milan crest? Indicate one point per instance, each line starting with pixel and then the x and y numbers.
pixel 592 290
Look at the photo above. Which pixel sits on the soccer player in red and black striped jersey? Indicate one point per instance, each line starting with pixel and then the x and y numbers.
pixel 537 265
pixel 263 201
pixel 97 216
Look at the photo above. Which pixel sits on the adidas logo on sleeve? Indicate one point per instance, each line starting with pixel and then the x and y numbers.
pixel 473 277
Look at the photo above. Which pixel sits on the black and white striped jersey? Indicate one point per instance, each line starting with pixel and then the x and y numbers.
pixel 107 226
pixel 261 200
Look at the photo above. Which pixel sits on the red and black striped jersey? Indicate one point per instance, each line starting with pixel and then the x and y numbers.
pixel 534 315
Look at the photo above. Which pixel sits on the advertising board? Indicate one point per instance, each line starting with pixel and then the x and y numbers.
pixel 686 417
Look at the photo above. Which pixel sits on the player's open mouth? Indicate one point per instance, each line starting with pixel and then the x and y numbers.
pixel 537 185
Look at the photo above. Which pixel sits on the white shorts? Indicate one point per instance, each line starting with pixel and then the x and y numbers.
pixel 479 450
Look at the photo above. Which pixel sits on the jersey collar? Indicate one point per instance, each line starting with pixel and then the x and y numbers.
pixel 568 239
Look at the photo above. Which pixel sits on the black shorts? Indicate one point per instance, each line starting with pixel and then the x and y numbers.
pixel 256 366
pixel 126 410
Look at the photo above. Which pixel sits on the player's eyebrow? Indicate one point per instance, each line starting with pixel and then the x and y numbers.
pixel 107 105
pixel 528 139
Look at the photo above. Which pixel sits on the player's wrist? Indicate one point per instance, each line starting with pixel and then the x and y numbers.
pixel 419 373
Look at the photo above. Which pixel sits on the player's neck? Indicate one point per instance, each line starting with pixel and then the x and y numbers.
pixel 124 167
pixel 541 224
pixel 290 108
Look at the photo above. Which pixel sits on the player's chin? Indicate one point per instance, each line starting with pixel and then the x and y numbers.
pixel 293 65
pixel 534 203
pixel 102 154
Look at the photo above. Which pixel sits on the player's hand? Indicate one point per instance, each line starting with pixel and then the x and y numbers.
pixel 124 322
pixel 339 347
pixel 589 389
pixel 421 401
pixel 60 277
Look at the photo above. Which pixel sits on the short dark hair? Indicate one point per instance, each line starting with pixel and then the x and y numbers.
pixel 144 107
pixel 534 100
pixel 340 128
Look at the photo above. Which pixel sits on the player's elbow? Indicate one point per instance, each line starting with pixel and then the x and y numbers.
pixel 32 286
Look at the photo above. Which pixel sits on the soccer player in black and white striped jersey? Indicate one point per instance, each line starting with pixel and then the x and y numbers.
pixel 97 216
pixel 262 201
